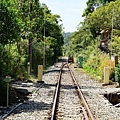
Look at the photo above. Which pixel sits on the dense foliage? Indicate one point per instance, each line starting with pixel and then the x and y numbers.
pixel 29 25
pixel 24 23
pixel 99 15
pixel 117 74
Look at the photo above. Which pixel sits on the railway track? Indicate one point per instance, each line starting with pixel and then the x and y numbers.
pixel 34 95
pixel 69 102
pixel 37 107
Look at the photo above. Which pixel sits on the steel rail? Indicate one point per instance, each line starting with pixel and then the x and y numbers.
pixel 18 105
pixel 56 94
pixel 6 115
pixel 81 96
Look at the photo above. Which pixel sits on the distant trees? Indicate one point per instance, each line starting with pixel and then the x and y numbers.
pixel 66 43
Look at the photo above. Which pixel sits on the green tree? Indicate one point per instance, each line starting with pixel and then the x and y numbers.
pixel 104 15
pixel 9 33
pixel 22 24
pixel 93 4
pixel 9 26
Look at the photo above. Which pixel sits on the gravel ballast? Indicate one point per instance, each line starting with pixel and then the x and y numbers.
pixel 39 105
pixel 93 92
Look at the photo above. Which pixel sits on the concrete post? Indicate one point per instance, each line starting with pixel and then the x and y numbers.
pixel 116 60
pixel 106 75
pixel 40 72
pixel 7 80
pixel 28 69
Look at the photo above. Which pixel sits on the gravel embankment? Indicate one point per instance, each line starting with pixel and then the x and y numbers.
pixel 69 107
pixel 39 106
pixel 93 92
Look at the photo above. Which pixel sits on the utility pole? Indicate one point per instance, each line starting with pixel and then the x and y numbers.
pixel 112 28
pixel 44 41
pixel 111 56
pixel 30 41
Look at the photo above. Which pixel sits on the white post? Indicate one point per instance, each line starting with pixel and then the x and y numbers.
pixel 28 68
pixel 106 75
pixel 40 72
pixel 7 80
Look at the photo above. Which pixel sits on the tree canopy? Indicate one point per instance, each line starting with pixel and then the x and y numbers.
pixel 100 15
pixel 20 22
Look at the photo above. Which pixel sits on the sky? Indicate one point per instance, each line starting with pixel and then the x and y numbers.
pixel 70 12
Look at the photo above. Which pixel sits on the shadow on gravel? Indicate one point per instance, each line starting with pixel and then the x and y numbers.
pixel 50 71
pixel 88 87
pixel 54 85
pixel 48 85
pixel 32 106
pixel 68 87
pixel 65 71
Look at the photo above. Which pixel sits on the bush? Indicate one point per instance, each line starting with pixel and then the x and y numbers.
pixel 112 74
pixel 117 74
pixel 3 92
pixel 96 62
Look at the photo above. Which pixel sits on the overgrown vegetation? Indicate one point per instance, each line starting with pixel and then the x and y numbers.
pixel 117 73
pixel 24 23
pixel 99 15
pixel 20 22
pixel 3 87
pixel 27 28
